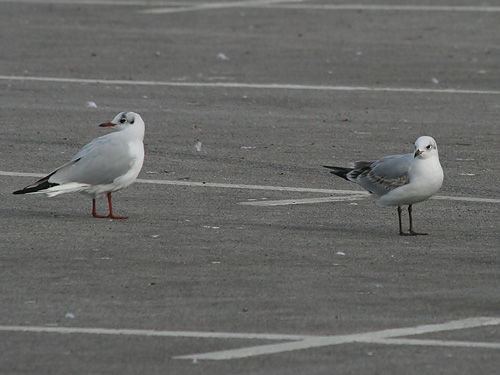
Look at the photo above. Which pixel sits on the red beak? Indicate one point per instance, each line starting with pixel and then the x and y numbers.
pixel 107 124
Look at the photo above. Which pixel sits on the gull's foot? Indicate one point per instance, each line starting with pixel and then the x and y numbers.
pixel 412 233
pixel 126 217
pixel 110 216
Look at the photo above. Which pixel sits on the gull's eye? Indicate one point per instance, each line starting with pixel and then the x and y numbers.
pixel 428 147
pixel 122 121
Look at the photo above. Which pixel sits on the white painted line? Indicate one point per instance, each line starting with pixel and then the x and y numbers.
pixel 321 341
pixel 212 184
pixel 358 196
pixel 236 85
pixel 298 342
pixel 449 343
pixel 219 5
pixel 148 3
pixel 22 174
pixel 267 349
pixel 153 333
pixel 200 5
pixel 403 8
pixel 287 202
pixel 171 5
pixel 431 328
pixel 251 187
pixel 466 199
pixel 266 188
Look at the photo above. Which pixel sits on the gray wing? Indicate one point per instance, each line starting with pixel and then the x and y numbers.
pixel 384 175
pixel 98 162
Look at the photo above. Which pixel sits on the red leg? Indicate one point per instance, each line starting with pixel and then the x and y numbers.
pixel 94 213
pixel 111 215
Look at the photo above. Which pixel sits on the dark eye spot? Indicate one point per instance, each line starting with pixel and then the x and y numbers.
pixel 428 147
pixel 122 121
pixel 132 121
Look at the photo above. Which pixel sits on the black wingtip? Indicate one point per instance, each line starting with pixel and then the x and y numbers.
pixel 339 171
pixel 42 184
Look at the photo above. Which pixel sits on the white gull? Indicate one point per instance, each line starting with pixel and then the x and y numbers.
pixel 399 180
pixel 103 166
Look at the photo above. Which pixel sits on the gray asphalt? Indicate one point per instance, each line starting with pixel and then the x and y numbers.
pixel 191 258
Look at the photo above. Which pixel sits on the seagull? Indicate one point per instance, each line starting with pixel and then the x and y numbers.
pixel 399 180
pixel 105 165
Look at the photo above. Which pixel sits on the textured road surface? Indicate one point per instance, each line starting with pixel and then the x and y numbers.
pixel 259 94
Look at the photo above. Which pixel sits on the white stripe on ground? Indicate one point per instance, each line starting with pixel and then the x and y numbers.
pixel 300 342
pixel 143 3
pixel 269 188
pixel 460 344
pixel 286 202
pixel 200 5
pixel 236 85
pixel 251 187
pixel 466 199
pixel 152 333
pixel 342 339
pixel 219 5
pixel 390 8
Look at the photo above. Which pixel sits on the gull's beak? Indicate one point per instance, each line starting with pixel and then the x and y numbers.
pixel 107 124
pixel 418 152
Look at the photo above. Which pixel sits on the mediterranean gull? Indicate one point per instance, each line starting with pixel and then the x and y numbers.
pixel 105 165
pixel 399 180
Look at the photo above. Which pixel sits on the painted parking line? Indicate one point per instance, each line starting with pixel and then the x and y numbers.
pixel 143 3
pixel 347 198
pixel 288 202
pixel 391 8
pixel 377 337
pixel 152 333
pixel 251 187
pixel 243 85
pixel 212 184
pixel 466 199
pixel 217 5
pixel 395 336
pixel 293 4
pixel 348 193
pixel 448 343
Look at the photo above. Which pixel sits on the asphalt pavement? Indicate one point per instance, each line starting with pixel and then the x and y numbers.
pixel 238 243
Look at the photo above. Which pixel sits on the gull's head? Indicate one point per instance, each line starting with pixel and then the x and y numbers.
pixel 425 147
pixel 125 120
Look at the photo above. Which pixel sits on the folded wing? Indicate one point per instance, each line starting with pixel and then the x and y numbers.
pixel 382 176
pixel 98 163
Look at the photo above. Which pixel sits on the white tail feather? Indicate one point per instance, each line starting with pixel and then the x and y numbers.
pixel 70 187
